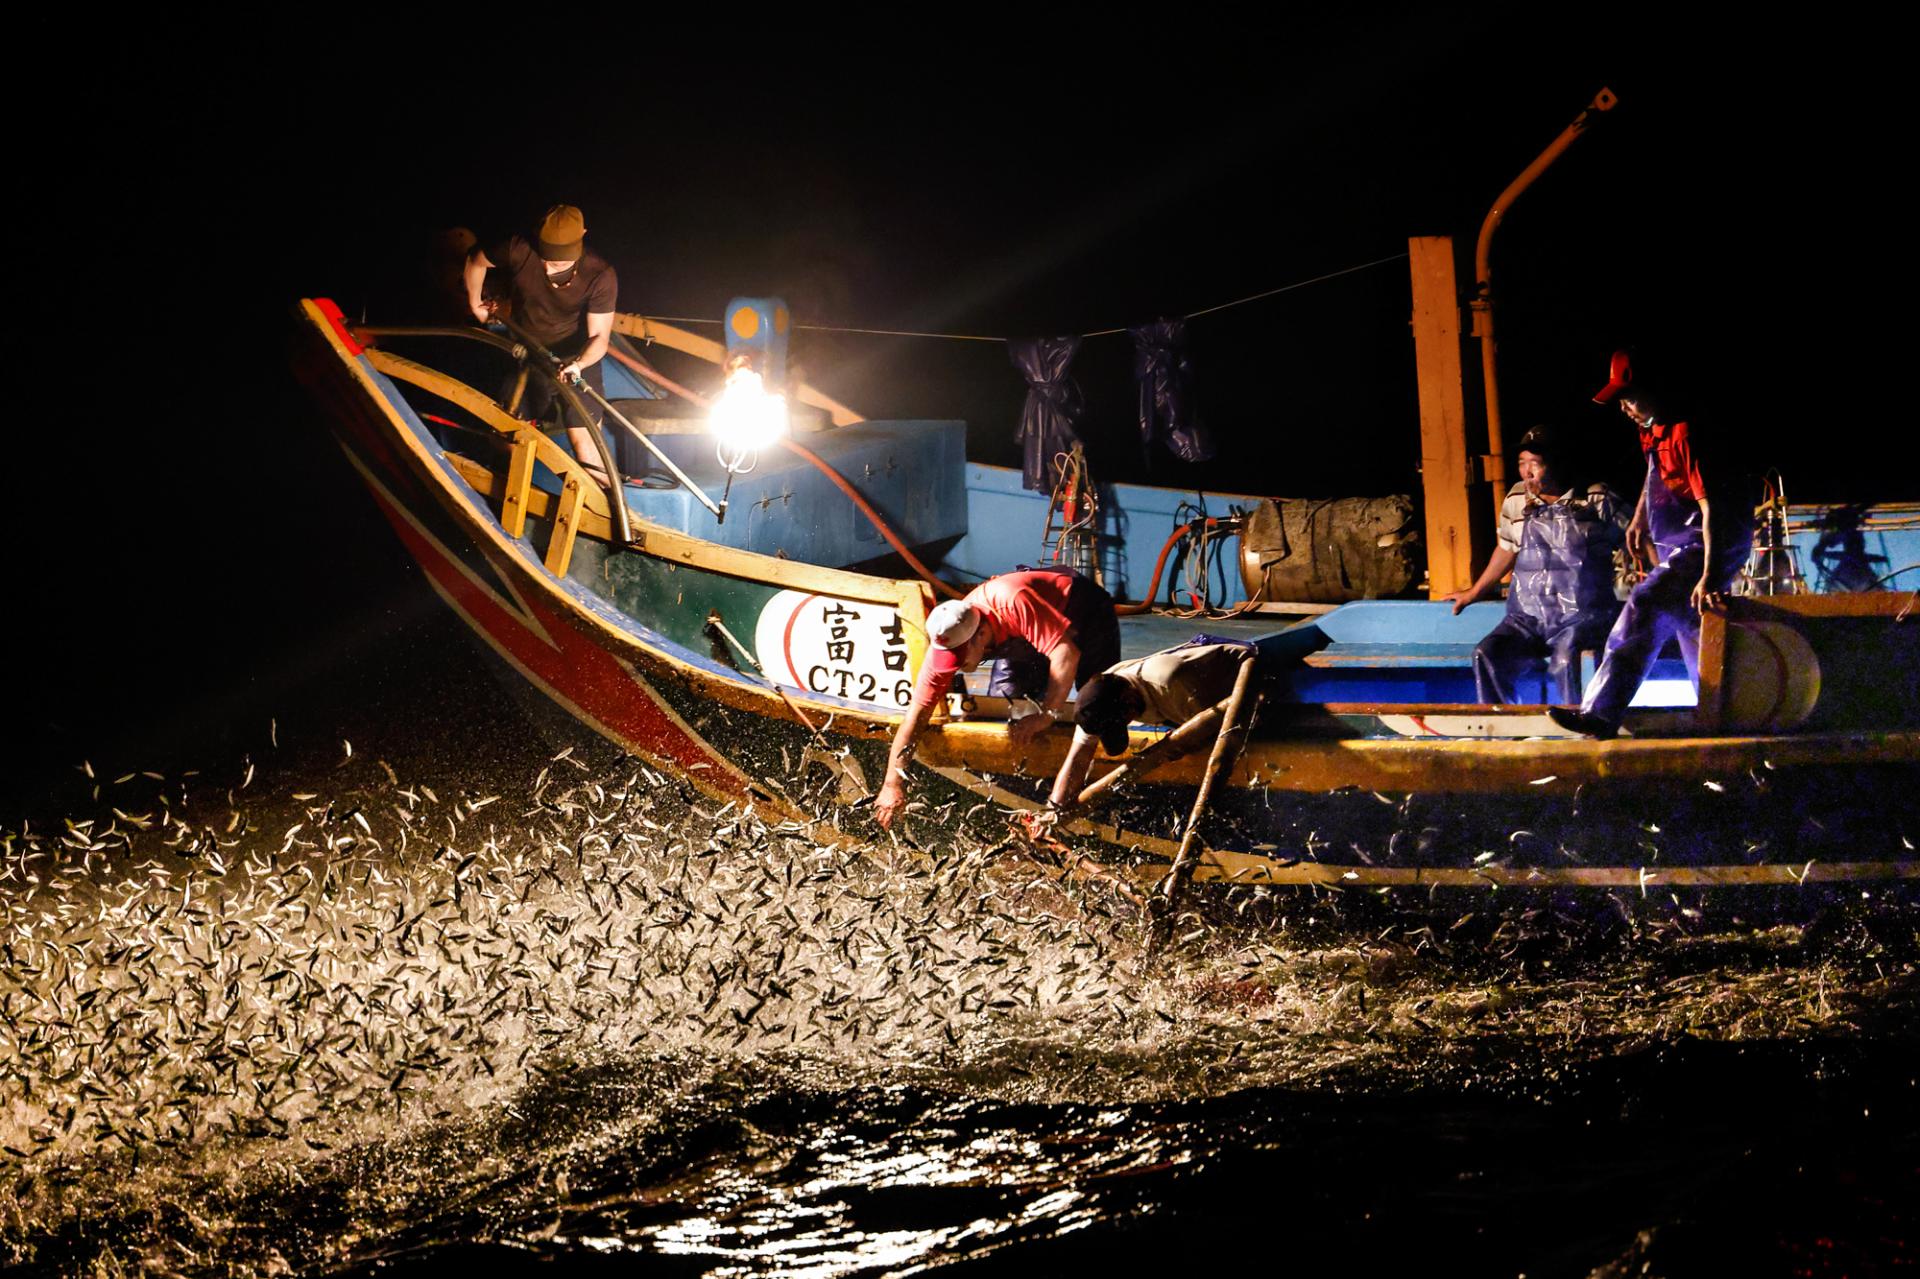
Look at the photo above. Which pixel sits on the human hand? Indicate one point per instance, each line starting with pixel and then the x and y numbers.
pixel 483 310
pixel 1704 597
pixel 887 805
pixel 1639 547
pixel 570 371
pixel 1036 824
pixel 1028 727
pixel 1460 599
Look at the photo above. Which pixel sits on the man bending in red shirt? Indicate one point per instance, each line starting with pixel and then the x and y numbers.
pixel 1064 619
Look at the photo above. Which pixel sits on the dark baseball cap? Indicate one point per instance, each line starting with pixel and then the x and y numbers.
pixel 1105 706
pixel 1542 443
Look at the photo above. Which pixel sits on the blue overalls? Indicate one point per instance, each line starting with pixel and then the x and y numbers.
pixel 1660 606
pixel 1560 604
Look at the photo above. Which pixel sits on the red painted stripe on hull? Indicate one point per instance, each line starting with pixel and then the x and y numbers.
pixel 583 676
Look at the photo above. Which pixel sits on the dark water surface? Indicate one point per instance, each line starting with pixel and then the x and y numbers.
pixel 402 981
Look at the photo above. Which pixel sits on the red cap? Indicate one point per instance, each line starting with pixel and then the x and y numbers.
pixel 1619 378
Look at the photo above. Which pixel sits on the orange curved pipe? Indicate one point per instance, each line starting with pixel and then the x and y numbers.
pixel 1482 304
pixel 1146 601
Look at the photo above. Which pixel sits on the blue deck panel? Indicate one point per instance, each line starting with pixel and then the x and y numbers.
pixel 1007 526
pixel 621 384
pixel 1421 651
pixel 1147 633
pixel 911 471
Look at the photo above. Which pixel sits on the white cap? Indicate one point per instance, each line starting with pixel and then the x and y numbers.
pixel 952 623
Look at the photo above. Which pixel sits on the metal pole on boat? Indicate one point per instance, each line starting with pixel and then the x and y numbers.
pixel 1182 741
pixel 1226 748
pixel 1494 466
pixel 719 510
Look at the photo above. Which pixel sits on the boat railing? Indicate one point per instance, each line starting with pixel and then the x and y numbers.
pixel 650 331
pixel 537 360
pixel 583 507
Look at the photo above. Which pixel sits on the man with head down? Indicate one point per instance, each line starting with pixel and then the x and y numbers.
pixel 1168 687
pixel 562 294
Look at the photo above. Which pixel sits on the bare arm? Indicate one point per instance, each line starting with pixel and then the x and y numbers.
pixel 1499 564
pixel 1062 662
pixel 1704 596
pixel 1073 770
pixel 599 333
pixel 1638 548
pixel 476 277
pixel 893 791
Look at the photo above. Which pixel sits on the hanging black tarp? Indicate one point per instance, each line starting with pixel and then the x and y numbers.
pixel 1165 373
pixel 1050 419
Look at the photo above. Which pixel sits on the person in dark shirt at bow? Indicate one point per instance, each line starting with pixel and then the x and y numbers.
pixel 562 294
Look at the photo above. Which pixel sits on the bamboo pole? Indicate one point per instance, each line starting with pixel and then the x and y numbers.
pixel 1178 744
pixel 1234 722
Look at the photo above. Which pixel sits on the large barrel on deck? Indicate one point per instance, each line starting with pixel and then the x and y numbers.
pixel 1331 550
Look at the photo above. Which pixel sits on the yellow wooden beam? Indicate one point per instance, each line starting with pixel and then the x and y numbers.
pixel 1218 866
pixel 566 525
pixel 913 598
pixel 1447 478
pixel 674 338
pixel 454 391
pixel 1710 709
pixel 678 339
pixel 1761 608
pixel 513 499
pixel 1542 767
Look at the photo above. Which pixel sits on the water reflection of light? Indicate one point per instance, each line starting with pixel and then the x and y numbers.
pixel 809 1231
pixel 1051 1205
pixel 812 1255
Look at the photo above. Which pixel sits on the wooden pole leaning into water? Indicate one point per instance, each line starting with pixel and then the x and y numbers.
pixel 1181 742
pixel 1235 719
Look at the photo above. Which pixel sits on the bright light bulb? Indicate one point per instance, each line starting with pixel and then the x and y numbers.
pixel 747 417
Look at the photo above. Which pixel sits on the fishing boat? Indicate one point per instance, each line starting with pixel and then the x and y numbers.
pixel 741 645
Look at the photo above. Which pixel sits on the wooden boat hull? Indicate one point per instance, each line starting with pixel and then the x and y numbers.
pixel 617 641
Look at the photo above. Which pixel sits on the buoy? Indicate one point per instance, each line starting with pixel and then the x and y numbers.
pixel 1772 677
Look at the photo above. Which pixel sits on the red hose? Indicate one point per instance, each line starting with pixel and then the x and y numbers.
pixel 913 561
pixel 1146 602
pixel 840 482
pixel 648 372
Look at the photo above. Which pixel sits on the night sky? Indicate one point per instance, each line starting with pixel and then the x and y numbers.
pixel 195 547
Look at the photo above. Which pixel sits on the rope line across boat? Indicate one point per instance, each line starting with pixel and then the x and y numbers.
pixel 1096 333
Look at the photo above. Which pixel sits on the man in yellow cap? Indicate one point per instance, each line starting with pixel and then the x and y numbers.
pixel 563 295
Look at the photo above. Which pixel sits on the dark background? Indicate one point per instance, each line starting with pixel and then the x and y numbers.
pixel 194 557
